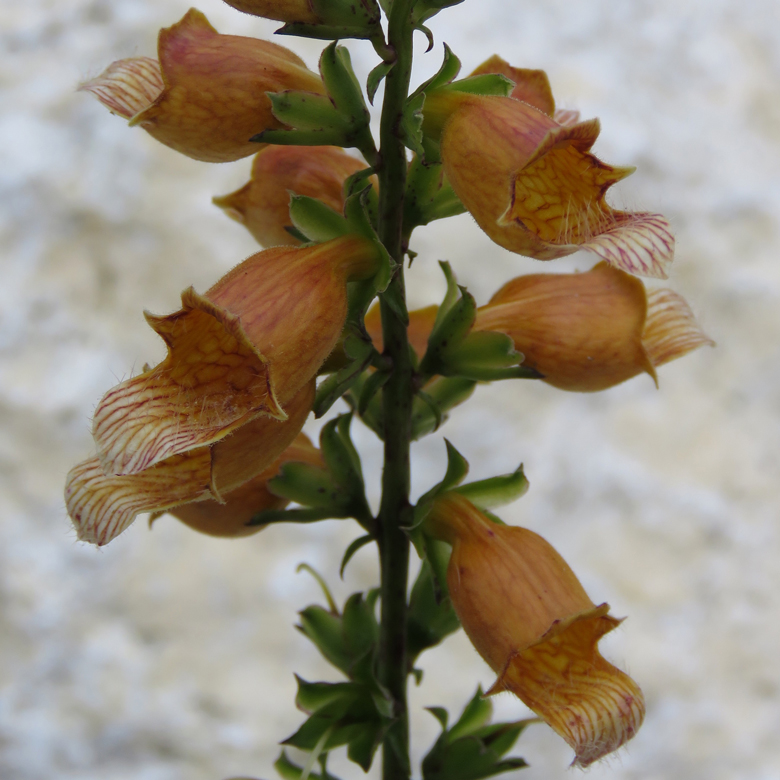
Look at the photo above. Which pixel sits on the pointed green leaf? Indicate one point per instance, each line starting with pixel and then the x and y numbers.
pixel 475 715
pixel 375 79
pixel 440 714
pixel 354 546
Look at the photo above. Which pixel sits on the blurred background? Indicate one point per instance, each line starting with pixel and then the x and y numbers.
pixel 170 655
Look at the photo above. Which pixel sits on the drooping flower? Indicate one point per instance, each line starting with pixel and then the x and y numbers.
pixel 583 332
pixel 263 204
pixel 230 518
pixel 242 356
pixel 532 184
pixel 528 616
pixel 243 349
pixel 206 96
pixel 102 505
pixel 590 331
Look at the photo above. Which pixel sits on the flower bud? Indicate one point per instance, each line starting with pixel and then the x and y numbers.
pixel 533 186
pixel 263 204
pixel 102 505
pixel 590 331
pixel 528 616
pixel 243 349
pixel 229 519
pixel 212 98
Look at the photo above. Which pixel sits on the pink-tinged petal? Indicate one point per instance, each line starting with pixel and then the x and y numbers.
pixel 564 679
pixel 101 506
pixel 567 116
pixel 671 330
pixel 127 87
pixel 638 243
pixel 212 382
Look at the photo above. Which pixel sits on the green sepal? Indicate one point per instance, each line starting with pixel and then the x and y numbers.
pixel 339 19
pixel 333 491
pixel 485 356
pixel 354 546
pixel 457 469
pixel 316 221
pixel 341 714
pixel 450 67
pixel 360 355
pixel 307 111
pixel 472 749
pixel 484 84
pixel 495 491
pixel 339 118
pixel 429 409
pixel 342 86
pixel 428 195
pixel 290 771
pixel 375 79
pixel 431 617
pixel 425 9
pixel 371 387
pixel 348 639
pixel 410 129
pixel 324 629
pixel 290 516
pixel 358 13
pixel 454 350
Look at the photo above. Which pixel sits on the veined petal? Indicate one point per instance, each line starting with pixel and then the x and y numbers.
pixel 671 330
pixel 101 506
pixel 564 679
pixel 638 243
pixel 127 86
pixel 212 381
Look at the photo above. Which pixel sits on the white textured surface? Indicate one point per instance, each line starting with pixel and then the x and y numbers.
pixel 170 655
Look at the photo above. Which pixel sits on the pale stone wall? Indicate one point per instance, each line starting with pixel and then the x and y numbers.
pixel 169 655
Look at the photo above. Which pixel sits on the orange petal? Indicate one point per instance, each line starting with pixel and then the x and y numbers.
pixel 564 679
pixel 101 506
pixel 671 330
pixel 531 86
pixel 215 89
pixel 534 188
pixel 128 86
pixel 212 381
pixel 583 332
pixel 283 10
pixel 229 519
pixel 263 205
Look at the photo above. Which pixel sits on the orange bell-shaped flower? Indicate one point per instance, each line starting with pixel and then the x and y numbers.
pixel 229 519
pixel 591 331
pixel 263 204
pixel 532 185
pixel 102 505
pixel 206 97
pixel 528 616
pixel 243 349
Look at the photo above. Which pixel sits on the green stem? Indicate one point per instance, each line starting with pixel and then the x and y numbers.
pixel 394 512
